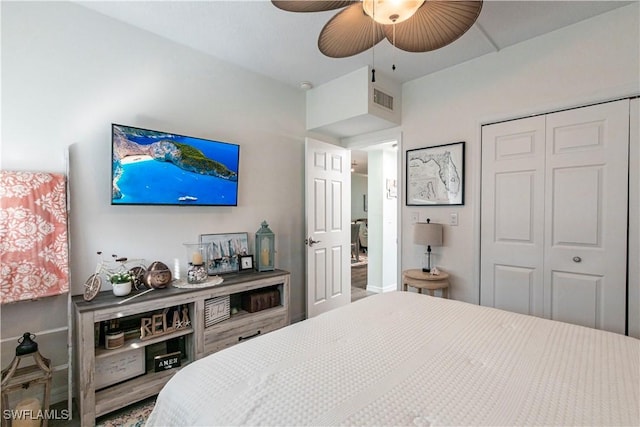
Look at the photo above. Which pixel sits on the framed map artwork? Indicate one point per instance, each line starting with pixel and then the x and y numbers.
pixel 435 175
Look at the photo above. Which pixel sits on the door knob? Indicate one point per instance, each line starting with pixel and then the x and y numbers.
pixel 309 241
pixel 577 259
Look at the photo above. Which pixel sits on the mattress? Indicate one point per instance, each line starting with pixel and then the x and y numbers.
pixel 403 358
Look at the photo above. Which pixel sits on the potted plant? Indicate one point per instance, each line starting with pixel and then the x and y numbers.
pixel 121 283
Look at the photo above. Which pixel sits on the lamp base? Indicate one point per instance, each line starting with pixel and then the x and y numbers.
pixel 427 269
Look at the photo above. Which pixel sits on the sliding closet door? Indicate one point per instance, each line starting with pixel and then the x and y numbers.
pixel 586 216
pixel 554 215
pixel 512 215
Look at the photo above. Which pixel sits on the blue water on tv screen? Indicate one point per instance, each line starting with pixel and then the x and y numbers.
pixel 159 168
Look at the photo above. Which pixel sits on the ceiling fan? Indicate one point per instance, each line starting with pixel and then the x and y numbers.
pixel 410 25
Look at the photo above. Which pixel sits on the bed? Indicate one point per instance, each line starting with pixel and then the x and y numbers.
pixel 402 358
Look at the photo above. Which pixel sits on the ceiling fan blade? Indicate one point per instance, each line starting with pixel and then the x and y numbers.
pixel 436 24
pixel 310 5
pixel 349 32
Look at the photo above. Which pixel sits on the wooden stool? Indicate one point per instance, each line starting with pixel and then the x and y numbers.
pixel 416 278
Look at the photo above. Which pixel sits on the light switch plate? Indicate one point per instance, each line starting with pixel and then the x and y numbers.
pixel 415 217
pixel 453 218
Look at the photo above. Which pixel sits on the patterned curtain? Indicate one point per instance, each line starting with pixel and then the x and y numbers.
pixel 33 236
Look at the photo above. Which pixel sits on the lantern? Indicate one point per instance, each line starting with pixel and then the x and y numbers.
pixel 197 262
pixel 26 391
pixel 265 248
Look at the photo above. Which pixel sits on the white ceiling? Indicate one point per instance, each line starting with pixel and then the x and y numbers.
pixel 283 45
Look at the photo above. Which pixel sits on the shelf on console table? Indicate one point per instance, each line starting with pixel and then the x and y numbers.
pixel 133 344
pixel 200 341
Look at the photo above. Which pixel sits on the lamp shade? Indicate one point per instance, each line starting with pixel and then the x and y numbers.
pixel 427 233
pixel 391 12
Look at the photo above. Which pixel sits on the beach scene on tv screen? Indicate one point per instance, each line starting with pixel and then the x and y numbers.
pixel 151 167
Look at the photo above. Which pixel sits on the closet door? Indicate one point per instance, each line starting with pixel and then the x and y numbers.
pixel 554 215
pixel 586 198
pixel 512 227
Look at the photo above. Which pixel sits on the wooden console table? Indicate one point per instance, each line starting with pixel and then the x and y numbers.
pixel 96 398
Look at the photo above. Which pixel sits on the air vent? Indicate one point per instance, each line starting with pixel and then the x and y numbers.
pixel 383 99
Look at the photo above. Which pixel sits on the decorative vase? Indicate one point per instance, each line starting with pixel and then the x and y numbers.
pixel 197 271
pixel 158 275
pixel 121 289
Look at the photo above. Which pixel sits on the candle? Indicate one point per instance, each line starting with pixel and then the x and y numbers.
pixel 27 413
pixel 196 258
pixel 176 268
pixel 265 257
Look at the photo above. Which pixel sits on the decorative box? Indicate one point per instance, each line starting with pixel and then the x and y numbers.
pixel 216 310
pixel 261 300
pixel 120 366
pixel 166 361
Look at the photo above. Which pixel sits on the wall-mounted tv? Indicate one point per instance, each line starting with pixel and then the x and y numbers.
pixel 150 167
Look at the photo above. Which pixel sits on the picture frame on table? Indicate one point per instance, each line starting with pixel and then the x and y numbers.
pixel 435 175
pixel 245 263
pixel 223 250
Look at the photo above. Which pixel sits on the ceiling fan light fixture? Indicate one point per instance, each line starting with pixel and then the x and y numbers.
pixel 388 12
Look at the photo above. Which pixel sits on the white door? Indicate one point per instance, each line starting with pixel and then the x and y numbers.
pixel 554 215
pixel 586 195
pixel 512 217
pixel 328 228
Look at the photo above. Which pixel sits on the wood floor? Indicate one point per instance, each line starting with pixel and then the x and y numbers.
pixel 359 276
pixel 359 282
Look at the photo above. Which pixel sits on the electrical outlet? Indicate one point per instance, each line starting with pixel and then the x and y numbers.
pixel 415 217
pixel 453 218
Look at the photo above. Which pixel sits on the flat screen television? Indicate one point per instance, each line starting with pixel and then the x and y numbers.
pixel 151 167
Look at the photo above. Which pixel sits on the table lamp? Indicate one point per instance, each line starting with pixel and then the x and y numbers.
pixel 429 234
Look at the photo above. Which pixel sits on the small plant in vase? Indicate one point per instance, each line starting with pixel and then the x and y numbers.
pixel 120 278
pixel 121 281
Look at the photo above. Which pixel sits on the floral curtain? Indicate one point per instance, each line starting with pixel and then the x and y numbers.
pixel 33 236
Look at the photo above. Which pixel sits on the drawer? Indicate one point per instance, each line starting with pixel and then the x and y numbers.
pixel 230 333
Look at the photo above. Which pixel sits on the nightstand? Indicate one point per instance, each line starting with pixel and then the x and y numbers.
pixel 416 278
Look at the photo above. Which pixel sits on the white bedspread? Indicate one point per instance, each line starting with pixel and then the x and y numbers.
pixel 402 358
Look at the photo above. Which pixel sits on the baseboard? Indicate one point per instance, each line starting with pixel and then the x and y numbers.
pixel 381 289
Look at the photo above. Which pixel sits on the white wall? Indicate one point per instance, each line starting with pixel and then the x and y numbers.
pixel 591 61
pixel 389 221
pixel 382 221
pixel 68 73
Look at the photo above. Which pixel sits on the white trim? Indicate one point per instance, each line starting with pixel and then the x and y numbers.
pixel 45 332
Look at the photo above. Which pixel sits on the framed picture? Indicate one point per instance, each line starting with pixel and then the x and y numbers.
pixel 223 251
pixel 245 262
pixel 435 175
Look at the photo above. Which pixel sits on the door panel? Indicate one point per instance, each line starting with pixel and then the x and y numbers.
pixel 337 271
pixel 327 205
pixel 319 275
pixel 577 206
pixel 512 216
pixel 514 288
pixel 633 275
pixel 319 215
pixel 586 215
pixel 514 205
pixel 575 298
